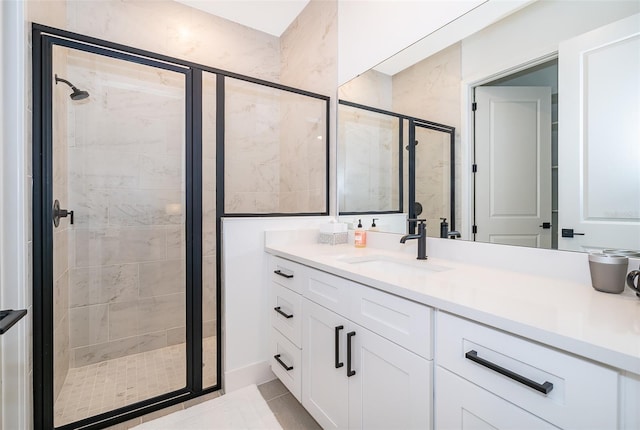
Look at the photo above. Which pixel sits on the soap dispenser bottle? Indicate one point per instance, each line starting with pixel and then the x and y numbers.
pixel 360 236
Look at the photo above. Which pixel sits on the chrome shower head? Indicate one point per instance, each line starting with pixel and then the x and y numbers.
pixel 77 94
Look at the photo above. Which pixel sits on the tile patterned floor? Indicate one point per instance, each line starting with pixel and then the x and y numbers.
pixel 288 411
pixel 101 387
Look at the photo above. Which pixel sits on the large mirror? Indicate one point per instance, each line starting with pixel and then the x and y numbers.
pixel 542 106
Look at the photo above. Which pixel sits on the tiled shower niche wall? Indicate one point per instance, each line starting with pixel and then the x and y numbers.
pixel 126 186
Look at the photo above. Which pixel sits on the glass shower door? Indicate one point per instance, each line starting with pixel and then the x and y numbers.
pixel 119 291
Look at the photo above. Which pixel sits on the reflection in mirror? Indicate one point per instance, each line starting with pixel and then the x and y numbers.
pixel 546 165
pixel 376 148
pixel 369 171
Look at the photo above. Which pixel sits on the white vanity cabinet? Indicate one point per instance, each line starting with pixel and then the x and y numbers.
pixel 356 379
pixel 287 279
pixel 366 356
pixel 488 376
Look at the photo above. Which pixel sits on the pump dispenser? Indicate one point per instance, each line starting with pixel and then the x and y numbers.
pixel 374 227
pixel 444 228
pixel 360 236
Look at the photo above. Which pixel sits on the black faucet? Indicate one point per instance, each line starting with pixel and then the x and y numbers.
pixel 421 236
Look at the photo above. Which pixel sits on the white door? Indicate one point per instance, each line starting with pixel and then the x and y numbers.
pixel 599 138
pixel 325 386
pixel 391 388
pixel 461 405
pixel 513 158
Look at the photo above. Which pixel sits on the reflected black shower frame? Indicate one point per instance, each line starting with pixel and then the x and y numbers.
pixel 413 123
pixel 43 40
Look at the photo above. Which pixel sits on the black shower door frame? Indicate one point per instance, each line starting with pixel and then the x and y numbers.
pixel 44 39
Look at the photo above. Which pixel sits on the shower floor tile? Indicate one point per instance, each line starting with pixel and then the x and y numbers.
pixel 111 384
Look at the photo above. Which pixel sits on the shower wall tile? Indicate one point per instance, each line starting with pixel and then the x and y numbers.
pixel 151 341
pixel 162 312
pixel 118 246
pixel 104 351
pixel 60 252
pixel 109 169
pixel 176 336
pixel 209 288
pixel 60 298
pixel 61 354
pixel 161 172
pixel 135 207
pixel 430 89
pixel 371 88
pixel 160 278
pixel 209 328
pixel 88 325
pixel 314 30
pixel 124 320
pixel 175 242
pixel 91 206
pixel 103 284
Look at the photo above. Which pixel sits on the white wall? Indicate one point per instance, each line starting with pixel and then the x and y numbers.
pixel 535 32
pixel 14 287
pixel 371 31
pixel 246 296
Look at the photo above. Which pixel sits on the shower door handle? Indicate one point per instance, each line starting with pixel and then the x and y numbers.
pixel 60 213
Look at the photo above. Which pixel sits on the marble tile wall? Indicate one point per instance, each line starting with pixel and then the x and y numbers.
pixel 61 234
pixel 209 276
pixel 303 184
pixel 126 186
pixel 367 161
pixel 430 90
pixel 367 146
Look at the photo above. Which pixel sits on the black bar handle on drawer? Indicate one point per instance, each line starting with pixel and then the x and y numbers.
pixel 337 347
pixel 544 388
pixel 281 273
pixel 350 372
pixel 287 368
pixel 279 310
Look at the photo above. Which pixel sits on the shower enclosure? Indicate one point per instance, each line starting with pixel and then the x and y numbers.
pixel 129 192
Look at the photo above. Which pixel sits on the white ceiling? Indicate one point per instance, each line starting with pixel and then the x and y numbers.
pixel 269 16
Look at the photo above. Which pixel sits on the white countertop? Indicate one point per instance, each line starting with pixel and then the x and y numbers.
pixel 570 316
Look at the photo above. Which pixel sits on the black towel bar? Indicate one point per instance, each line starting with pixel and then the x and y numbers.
pixel 9 317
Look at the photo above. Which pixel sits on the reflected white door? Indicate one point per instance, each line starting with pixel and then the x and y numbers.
pixel 599 137
pixel 513 157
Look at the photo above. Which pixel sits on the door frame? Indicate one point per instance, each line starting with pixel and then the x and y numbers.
pixel 467 132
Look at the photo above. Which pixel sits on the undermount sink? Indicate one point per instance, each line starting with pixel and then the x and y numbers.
pixel 384 263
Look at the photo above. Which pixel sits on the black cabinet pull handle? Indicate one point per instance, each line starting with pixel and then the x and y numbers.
pixel 287 368
pixel 350 371
pixel 278 309
pixel 544 388
pixel 337 347
pixel 281 273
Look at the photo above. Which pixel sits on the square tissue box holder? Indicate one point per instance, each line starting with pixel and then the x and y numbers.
pixel 333 233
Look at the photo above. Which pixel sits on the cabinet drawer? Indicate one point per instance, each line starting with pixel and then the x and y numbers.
pixel 584 395
pixel 463 405
pixel 286 363
pixel 327 290
pixel 288 274
pixel 402 321
pixel 286 313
